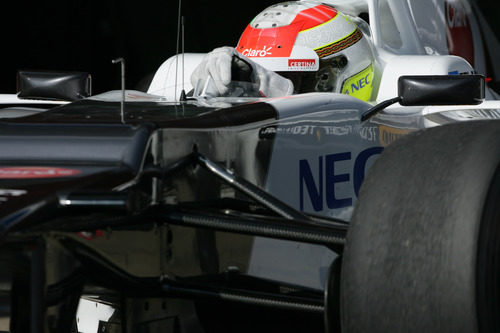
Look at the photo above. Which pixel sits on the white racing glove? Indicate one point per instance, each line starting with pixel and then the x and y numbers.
pixel 217 65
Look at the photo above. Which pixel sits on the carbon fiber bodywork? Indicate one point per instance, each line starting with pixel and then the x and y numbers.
pixel 207 208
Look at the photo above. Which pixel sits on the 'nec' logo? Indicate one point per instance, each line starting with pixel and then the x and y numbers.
pixel 360 84
pixel 320 186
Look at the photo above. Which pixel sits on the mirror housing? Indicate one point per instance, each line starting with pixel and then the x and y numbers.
pixel 422 90
pixel 441 90
pixel 53 85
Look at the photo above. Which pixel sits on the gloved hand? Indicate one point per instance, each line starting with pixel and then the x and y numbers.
pixel 218 62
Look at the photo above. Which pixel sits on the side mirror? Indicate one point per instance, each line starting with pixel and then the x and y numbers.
pixel 53 85
pixel 434 90
pixel 441 90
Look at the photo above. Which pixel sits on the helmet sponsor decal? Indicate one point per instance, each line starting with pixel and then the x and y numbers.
pixel 359 85
pixel 36 172
pixel 264 52
pixel 339 45
pixel 302 64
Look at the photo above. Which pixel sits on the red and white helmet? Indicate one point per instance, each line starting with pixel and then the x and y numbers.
pixel 314 45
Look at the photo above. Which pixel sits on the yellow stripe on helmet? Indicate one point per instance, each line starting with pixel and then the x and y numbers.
pixel 359 85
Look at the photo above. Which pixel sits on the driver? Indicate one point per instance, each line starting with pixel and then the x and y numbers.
pixel 295 47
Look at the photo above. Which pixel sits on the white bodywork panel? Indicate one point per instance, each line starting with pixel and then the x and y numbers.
pixel 418 65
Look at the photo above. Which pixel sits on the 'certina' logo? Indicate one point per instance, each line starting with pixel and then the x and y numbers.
pixel 36 172
pixel 302 63
pixel 257 53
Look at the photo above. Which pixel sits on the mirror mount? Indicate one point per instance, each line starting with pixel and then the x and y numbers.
pixel 379 107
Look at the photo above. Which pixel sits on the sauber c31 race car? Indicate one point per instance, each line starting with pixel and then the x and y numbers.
pixel 312 212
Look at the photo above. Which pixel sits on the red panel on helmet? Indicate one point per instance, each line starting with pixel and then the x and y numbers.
pixel 279 41
pixel 314 16
pixel 272 42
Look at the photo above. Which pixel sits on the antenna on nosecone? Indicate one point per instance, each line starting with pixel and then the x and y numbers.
pixel 183 92
pixel 122 102
pixel 179 33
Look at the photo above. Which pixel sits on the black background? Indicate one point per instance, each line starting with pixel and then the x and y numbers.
pixel 86 35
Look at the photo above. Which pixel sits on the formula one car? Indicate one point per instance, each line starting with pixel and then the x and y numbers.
pixel 311 212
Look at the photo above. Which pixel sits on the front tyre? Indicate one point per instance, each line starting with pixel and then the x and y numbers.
pixel 423 248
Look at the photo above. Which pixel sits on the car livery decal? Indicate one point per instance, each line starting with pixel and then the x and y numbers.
pixel 320 185
pixel 388 134
pixel 31 172
pixel 458 30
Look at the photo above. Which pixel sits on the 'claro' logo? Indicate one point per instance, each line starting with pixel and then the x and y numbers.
pixel 36 172
pixel 258 53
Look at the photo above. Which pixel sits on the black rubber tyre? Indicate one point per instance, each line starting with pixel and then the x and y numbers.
pixel 423 248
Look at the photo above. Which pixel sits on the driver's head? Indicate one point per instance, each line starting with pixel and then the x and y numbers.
pixel 314 45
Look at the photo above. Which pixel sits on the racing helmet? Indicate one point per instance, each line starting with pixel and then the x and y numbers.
pixel 314 45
